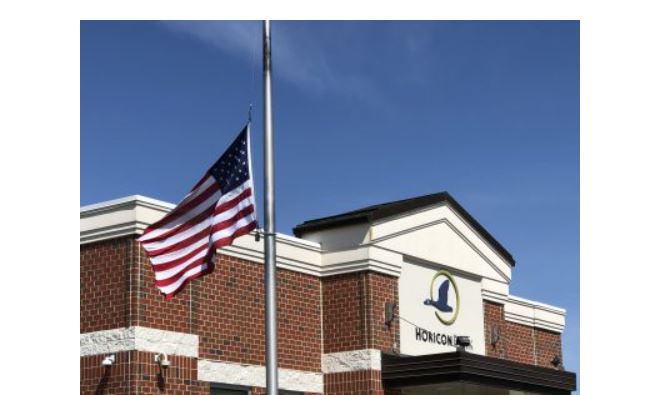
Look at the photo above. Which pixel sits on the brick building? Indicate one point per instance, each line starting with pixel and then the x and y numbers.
pixel 407 297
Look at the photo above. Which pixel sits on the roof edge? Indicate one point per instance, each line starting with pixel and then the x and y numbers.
pixel 132 199
pixel 380 211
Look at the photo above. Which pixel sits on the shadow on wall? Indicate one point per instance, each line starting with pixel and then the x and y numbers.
pixel 161 381
pixel 102 383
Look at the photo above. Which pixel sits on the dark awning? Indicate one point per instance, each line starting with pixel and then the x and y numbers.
pixel 401 371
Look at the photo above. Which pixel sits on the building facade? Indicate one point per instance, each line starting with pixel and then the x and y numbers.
pixel 407 297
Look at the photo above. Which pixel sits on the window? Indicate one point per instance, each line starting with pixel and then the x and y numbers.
pixel 226 389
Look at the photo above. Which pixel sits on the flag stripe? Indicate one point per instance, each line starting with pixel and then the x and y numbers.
pixel 177 261
pixel 148 236
pixel 168 275
pixel 191 274
pixel 206 182
pixel 175 223
pixel 240 214
pixel 227 203
pixel 195 200
pixel 206 178
pixel 163 259
pixel 163 273
pixel 218 209
pixel 177 274
pixel 203 233
pixel 177 217
pixel 226 241
pixel 187 230
pixel 186 226
pixel 223 215
pixel 199 223
pixel 229 232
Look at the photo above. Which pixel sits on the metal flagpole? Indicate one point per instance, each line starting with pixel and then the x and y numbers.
pixel 269 219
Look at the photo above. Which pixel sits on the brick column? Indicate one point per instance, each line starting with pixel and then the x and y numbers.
pixel 225 310
pixel 519 343
pixel 353 319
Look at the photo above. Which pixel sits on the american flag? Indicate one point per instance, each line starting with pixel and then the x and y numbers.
pixel 216 211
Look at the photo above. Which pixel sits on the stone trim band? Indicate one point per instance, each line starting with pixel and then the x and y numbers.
pixel 351 361
pixel 140 339
pixel 255 376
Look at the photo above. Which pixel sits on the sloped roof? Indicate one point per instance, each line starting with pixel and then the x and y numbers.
pixel 383 210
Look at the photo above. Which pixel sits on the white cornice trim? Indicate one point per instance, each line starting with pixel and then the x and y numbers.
pixel 112 232
pixel 138 338
pixel 130 215
pixel 437 265
pixel 494 296
pixel 255 376
pixel 331 263
pixel 533 322
pixel 539 305
pixel 351 361
pixel 283 262
pixel 126 216
pixel 528 312
pixel 364 257
pixel 297 242
pixel 133 200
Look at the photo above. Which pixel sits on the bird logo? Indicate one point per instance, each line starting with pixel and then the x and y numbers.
pixel 442 303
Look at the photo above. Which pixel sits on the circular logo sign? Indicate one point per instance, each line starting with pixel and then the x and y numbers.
pixel 447 304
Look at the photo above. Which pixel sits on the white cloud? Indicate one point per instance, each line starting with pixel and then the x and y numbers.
pixel 297 58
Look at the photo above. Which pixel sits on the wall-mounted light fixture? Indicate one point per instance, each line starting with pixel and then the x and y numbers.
pixel 495 335
pixel 108 360
pixel 163 360
pixel 463 342
pixel 389 312
pixel 556 362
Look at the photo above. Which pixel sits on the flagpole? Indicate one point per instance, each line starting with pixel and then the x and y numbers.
pixel 269 219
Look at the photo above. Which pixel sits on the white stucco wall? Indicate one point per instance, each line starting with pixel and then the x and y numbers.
pixel 414 289
pixel 439 234
pixel 340 238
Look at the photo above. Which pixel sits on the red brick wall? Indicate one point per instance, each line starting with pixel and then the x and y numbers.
pixel 549 346
pixel 367 382
pixel 104 281
pixel 226 309
pixel 343 318
pixel 230 312
pixel 156 312
pixel 382 289
pixel 137 372
pixel 354 318
pixel 517 342
pixel 353 312
pixel 96 379
pixel 262 391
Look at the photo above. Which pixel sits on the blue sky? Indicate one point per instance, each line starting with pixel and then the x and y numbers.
pixel 364 113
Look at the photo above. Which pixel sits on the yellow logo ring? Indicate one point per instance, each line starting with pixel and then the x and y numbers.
pixel 446 274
